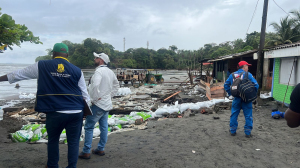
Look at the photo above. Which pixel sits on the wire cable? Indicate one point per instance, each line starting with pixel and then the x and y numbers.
pixel 281 8
pixel 252 16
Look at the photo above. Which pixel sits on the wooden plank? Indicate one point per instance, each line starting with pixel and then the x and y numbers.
pixel 170 96
pixel 208 95
pixel 218 95
pixel 10 109
pixel 216 88
pixel 216 91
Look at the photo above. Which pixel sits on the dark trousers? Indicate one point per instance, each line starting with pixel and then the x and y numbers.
pixel 55 123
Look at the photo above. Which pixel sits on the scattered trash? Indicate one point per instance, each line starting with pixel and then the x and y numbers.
pixel 131 109
pixel 123 91
pixel 138 121
pixel 17 86
pixel 265 95
pixel 24 96
pixel 193 151
pixel 277 114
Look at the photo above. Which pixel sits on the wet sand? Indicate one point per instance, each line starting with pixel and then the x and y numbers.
pixel 170 142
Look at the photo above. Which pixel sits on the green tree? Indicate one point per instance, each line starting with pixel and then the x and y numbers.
pixel 287 31
pixel 296 15
pixel 129 63
pixel 252 39
pixel 173 48
pixel 238 44
pixel 14 34
pixel 45 57
pixel 220 52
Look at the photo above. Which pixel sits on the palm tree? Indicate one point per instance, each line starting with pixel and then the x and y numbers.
pixel 296 15
pixel 287 31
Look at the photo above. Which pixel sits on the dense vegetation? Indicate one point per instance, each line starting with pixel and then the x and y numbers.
pixel 14 34
pixel 286 31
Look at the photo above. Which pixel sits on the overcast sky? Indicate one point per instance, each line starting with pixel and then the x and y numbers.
pixel 188 24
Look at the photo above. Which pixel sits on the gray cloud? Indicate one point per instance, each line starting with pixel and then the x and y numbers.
pixel 187 24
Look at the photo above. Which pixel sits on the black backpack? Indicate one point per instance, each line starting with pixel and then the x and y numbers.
pixel 247 90
pixel 235 85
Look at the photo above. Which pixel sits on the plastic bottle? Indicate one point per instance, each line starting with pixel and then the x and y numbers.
pixel 1 114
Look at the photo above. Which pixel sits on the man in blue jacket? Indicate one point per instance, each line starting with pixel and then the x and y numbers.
pixel 61 91
pixel 238 103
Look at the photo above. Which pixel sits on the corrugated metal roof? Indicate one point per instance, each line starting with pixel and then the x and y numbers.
pixel 283 46
pixel 233 55
pixel 254 51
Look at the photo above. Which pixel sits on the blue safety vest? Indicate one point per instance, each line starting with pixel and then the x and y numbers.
pixel 58 88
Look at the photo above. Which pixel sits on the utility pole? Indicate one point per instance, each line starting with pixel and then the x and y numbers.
pixel 201 64
pixel 148 53
pixel 194 60
pixel 260 56
pixel 147 44
pixel 124 44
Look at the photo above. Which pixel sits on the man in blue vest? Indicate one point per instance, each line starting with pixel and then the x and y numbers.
pixel 238 104
pixel 60 94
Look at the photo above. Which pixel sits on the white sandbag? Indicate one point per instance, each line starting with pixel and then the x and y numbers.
pixel 173 110
pixel 96 132
pixel 44 132
pixel 133 113
pixel 33 127
pixel 63 134
pixel 29 96
pixel 42 141
pixel 184 107
pixel 194 106
pixel 203 104
pixel 83 132
pixel 122 121
pixel 153 115
pixel 21 136
pixel 176 104
pixel 161 111
pixel 217 100
pixel 37 134
pixel 111 121
pixel 117 127
pixel 136 117
pixel 123 91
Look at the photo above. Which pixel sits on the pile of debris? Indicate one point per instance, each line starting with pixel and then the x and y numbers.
pixel 27 114
pixel 132 107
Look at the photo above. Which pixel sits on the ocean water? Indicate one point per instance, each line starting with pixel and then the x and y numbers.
pixel 8 91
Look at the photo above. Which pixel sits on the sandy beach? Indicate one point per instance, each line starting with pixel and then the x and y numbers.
pixel 199 141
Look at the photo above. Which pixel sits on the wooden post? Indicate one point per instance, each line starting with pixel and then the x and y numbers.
pixel 260 57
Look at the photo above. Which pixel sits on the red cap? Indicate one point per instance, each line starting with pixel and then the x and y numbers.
pixel 241 63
